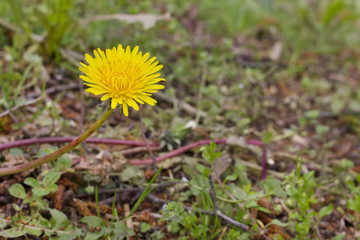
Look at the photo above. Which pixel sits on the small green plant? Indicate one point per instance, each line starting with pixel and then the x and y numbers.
pixel 58 227
pixel 351 181
pixel 240 15
pixel 300 190
pixel 48 22
pixel 187 223
pixel 11 83
pixel 99 229
pixel 115 229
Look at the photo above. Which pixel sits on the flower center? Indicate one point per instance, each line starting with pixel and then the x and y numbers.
pixel 120 81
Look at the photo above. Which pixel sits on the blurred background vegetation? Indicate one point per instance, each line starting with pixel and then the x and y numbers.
pixel 191 38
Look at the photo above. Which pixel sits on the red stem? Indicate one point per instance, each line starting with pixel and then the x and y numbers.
pixel 26 142
pixel 263 164
pixel 177 151
pixel 135 144
pixel 254 142
pixel 52 156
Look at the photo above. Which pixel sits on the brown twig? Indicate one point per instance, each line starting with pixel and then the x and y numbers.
pixel 212 193
pixel 26 133
pixel 219 213
pixel 182 105
pixel 241 206
pixel 231 221
pixel 318 233
pixel 11 27
pixel 54 89
pixel 207 212
pixel 27 103
pixel 263 64
pixel 124 190
pixel 253 220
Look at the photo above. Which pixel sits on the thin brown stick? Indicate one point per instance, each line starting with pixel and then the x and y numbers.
pixel 182 105
pixel 207 212
pixel 26 133
pixel 11 27
pixel 27 103
pixel 219 213
pixel 318 233
pixel 253 220
pixel 53 89
pixel 212 193
pixel 124 190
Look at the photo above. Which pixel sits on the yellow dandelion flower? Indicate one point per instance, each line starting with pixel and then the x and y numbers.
pixel 124 76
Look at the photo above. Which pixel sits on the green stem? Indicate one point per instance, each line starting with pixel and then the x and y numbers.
pixel 58 153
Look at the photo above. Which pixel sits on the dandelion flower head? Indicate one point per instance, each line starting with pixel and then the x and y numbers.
pixel 124 76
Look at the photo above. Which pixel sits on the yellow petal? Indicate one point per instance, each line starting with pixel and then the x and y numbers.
pixel 89 58
pixel 154 86
pixel 94 91
pixel 125 109
pixel 105 97
pixel 151 91
pixel 135 50
pixel 114 103
pixel 148 100
pixel 133 104
pixel 138 100
pixel 126 77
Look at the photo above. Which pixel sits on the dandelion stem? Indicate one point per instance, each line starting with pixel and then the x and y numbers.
pixel 52 156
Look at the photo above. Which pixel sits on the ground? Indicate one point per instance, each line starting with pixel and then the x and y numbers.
pixel 255 135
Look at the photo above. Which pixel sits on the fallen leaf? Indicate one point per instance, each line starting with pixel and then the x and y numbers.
pixel 221 164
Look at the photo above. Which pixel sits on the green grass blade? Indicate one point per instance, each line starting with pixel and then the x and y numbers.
pixel 22 80
pixel 114 212
pixel 144 194
pixel 97 201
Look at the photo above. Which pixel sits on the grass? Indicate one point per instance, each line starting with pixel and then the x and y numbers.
pixel 303 104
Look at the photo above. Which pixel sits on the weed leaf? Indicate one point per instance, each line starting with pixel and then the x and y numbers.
pixel 51 178
pixel 18 191
pixel 325 211
pixel 12 232
pixel 58 218
pixel 32 182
